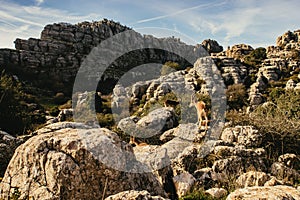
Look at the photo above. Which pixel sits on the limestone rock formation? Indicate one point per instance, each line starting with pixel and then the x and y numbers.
pixel 252 178
pixel 134 195
pixel 247 136
pixel 233 71
pixel 57 55
pixel 217 193
pixel 212 46
pixel 290 85
pixel 271 193
pixel 288 38
pixel 239 50
pixel 287 168
pixel 68 164
pixel 7 147
pixel 183 183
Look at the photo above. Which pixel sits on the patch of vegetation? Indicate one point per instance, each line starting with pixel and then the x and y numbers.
pixel 199 195
pixel 19 111
pixel 278 120
pixel 170 67
pixel 236 96
pixel 255 58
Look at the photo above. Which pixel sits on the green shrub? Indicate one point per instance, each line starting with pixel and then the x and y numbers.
pixel 54 111
pixel 170 67
pixel 255 58
pixel 105 120
pixel 198 195
pixel 236 96
pixel 278 121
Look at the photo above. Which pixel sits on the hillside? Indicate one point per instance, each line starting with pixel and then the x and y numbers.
pixel 72 101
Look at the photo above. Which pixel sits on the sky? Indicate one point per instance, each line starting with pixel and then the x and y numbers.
pixel 254 22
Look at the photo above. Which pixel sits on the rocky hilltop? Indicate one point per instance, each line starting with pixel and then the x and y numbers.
pixel 56 57
pixel 254 155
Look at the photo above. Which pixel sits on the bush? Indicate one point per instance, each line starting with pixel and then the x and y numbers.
pixel 170 67
pixel 198 195
pixel 256 57
pixel 236 96
pixel 278 120
pixel 17 116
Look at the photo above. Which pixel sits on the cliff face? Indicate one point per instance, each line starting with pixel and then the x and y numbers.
pixel 54 59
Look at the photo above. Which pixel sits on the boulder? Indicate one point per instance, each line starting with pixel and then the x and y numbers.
pixel 74 164
pixel 183 183
pixel 234 166
pixel 290 85
pixel 252 178
pixel 211 46
pixel 217 193
pixel 247 136
pixel 286 174
pixel 134 195
pixel 290 160
pixel 8 145
pixel 270 193
pixel 159 120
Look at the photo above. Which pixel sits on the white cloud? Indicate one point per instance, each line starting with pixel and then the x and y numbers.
pixel 39 2
pixel 233 21
pixel 28 21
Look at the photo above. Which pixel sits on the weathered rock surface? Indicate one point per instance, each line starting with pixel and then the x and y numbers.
pixel 286 174
pixel 288 38
pixel 58 54
pixel 287 168
pixel 233 71
pixel 58 165
pixel 183 183
pixel 271 193
pixel 247 136
pixel 7 148
pixel 217 193
pixel 211 46
pixel 156 122
pixel 134 195
pixel 252 178
pixel 239 50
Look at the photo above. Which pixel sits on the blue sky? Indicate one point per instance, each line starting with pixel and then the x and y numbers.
pixel 253 22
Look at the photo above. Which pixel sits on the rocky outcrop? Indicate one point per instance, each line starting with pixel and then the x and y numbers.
pixel 252 178
pixel 247 136
pixel 271 193
pixel 57 55
pixel 183 183
pixel 68 164
pixel 53 61
pixel 233 71
pixel 287 168
pixel 238 51
pixel 272 73
pixel 212 46
pixel 288 38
